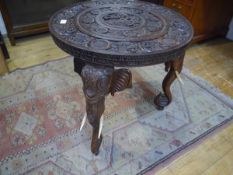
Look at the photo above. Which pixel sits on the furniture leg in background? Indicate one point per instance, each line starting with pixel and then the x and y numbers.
pixel 3 47
pixel 3 65
pixel 172 67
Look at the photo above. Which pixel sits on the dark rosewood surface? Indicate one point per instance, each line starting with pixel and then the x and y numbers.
pixel 105 34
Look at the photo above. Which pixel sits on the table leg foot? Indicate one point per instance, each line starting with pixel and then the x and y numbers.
pixel 163 100
pixel 95 144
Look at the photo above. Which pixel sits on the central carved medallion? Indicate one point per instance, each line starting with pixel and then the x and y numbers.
pixel 121 23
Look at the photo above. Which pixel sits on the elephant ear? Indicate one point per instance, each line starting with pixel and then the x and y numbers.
pixel 122 79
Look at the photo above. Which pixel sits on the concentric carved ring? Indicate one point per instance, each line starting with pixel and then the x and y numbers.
pixel 121 23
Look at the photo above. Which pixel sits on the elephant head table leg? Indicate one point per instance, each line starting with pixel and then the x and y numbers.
pixel 171 67
pixel 99 81
pixel 96 85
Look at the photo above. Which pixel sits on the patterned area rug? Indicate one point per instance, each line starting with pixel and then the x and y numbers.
pixel 41 109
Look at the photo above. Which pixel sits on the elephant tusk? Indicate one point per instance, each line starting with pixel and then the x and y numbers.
pixel 101 126
pixel 83 121
pixel 179 77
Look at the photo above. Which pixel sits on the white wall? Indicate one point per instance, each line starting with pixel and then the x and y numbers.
pixel 230 31
pixel 2 26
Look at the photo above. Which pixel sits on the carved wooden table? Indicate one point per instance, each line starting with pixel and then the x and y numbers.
pixel 104 34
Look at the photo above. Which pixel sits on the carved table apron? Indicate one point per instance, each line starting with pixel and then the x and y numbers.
pixel 105 34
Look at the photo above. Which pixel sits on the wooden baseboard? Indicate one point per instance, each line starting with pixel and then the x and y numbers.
pixel 3 65
pixel 203 37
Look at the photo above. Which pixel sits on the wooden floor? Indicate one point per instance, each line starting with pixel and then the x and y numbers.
pixel 212 60
pixel 31 51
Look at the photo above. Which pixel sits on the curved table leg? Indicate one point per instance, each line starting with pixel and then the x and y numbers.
pixel 165 99
pixel 96 85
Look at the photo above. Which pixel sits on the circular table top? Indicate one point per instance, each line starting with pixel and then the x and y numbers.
pixel 121 32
